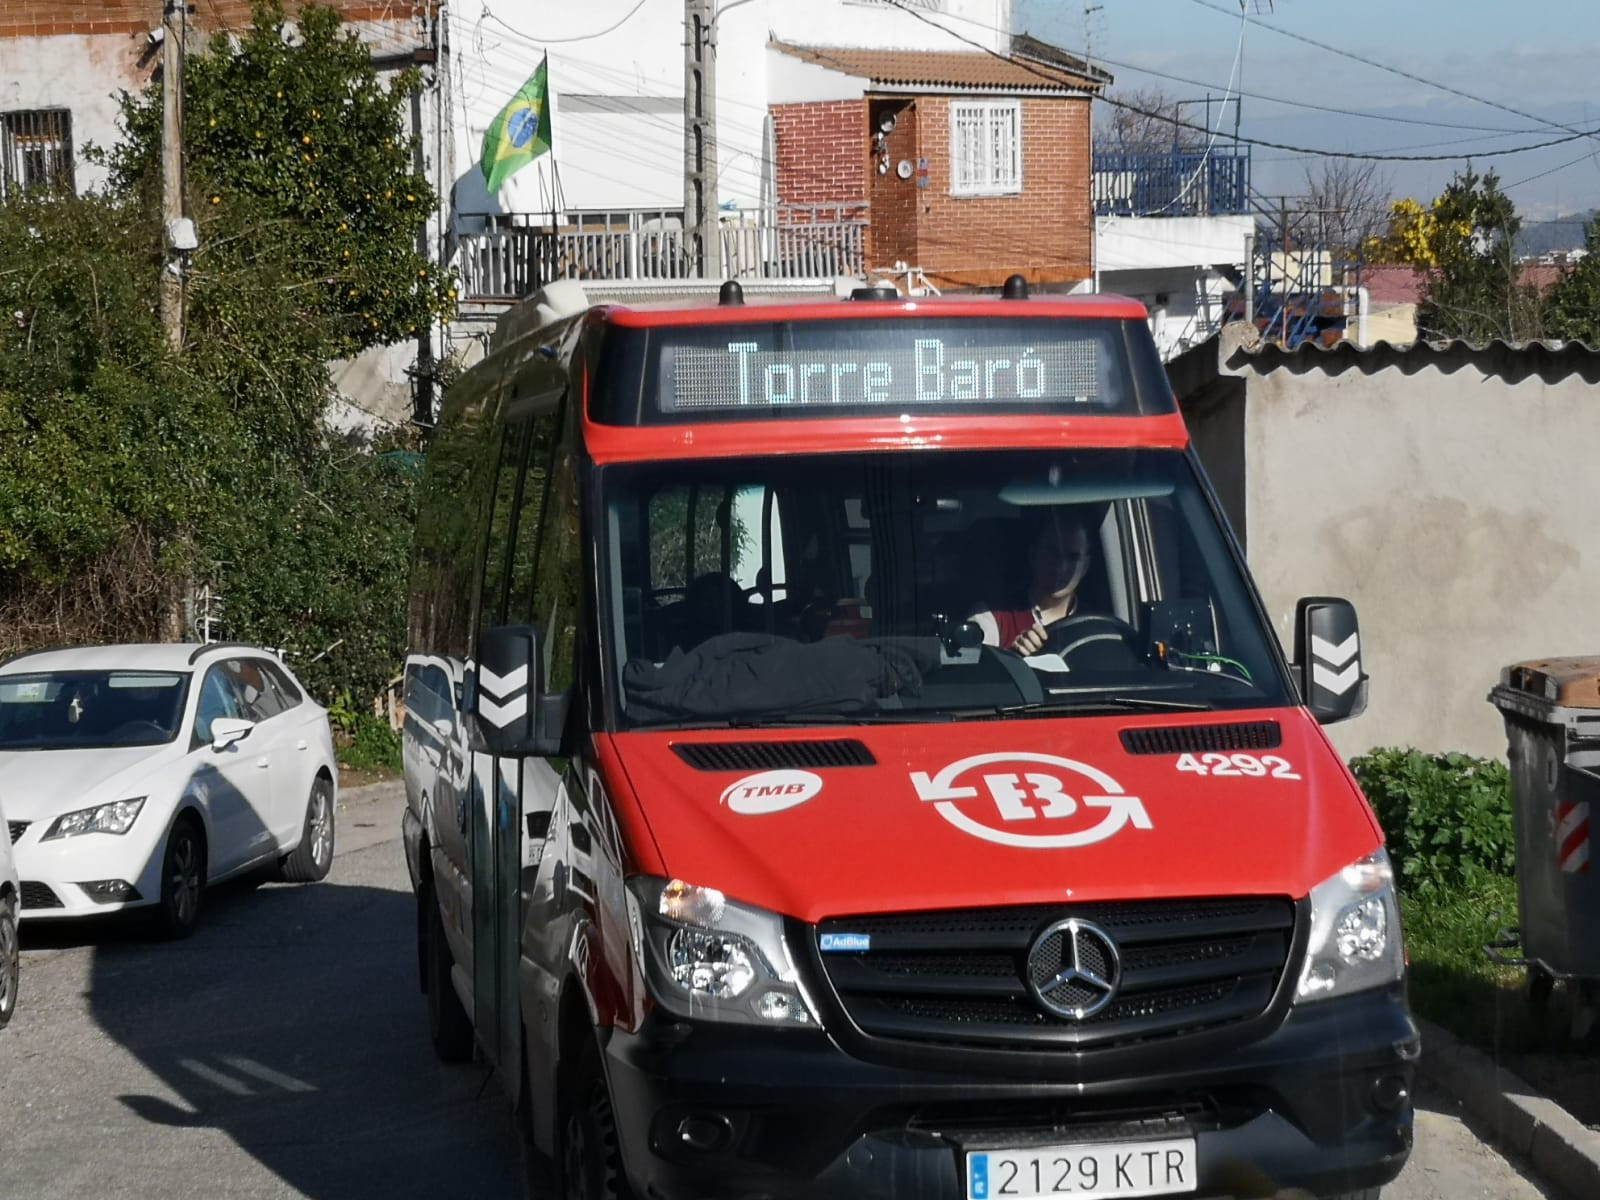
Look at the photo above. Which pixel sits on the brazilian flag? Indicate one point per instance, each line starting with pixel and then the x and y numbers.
pixel 521 131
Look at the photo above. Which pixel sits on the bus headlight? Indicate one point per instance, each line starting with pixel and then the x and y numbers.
pixel 712 959
pixel 1355 939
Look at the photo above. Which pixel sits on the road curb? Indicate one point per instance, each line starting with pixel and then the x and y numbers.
pixel 1564 1152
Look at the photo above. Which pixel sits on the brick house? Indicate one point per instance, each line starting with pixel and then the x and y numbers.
pixel 966 165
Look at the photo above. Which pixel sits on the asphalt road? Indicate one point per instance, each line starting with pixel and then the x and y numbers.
pixel 281 1052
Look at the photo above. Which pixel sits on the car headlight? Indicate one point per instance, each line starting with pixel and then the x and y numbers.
pixel 710 958
pixel 116 817
pixel 1355 932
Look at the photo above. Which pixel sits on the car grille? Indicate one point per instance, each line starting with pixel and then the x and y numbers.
pixel 16 828
pixel 1194 739
pixel 768 756
pixel 39 895
pixel 959 977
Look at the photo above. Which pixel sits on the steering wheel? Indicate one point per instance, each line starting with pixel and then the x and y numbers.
pixel 1075 635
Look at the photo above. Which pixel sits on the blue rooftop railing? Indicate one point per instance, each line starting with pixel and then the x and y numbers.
pixel 1172 183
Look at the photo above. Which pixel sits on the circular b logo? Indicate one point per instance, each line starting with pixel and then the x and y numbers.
pixel 1026 799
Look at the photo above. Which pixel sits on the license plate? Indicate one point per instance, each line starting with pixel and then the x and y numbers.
pixel 1165 1168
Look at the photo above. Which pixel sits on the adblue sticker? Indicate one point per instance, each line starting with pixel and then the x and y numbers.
pixel 1027 800
pixel 770 792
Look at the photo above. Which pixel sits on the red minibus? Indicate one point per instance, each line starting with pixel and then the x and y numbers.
pixel 846 756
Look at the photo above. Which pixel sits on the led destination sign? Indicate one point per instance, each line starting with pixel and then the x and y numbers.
pixel 916 369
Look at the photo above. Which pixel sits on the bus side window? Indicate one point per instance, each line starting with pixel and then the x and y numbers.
pixel 558 579
pixel 502 525
pixel 531 508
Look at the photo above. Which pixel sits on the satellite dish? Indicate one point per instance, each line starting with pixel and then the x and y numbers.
pixel 904 169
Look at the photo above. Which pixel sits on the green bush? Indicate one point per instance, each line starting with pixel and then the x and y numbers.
pixel 364 742
pixel 1446 817
pixel 372 746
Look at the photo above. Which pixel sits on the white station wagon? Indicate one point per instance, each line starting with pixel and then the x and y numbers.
pixel 135 776
pixel 10 948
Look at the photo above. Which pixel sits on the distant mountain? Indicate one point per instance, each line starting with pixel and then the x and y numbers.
pixel 1561 233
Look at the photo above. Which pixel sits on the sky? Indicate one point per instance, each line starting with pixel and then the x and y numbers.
pixel 1535 56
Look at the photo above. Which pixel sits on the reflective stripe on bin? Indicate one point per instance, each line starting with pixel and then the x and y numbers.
pixel 1572 836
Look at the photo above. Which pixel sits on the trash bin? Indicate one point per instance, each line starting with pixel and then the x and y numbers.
pixel 1552 715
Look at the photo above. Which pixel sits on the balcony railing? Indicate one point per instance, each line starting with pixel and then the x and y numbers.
pixel 1172 183
pixel 517 255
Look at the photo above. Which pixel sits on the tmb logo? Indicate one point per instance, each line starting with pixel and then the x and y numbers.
pixel 771 791
pixel 1025 800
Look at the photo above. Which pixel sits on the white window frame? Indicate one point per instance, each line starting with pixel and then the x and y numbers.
pixel 993 122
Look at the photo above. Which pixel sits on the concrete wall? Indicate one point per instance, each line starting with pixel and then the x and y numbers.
pixel 1145 243
pixel 1452 496
pixel 84 73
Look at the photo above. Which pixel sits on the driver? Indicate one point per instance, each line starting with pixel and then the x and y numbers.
pixel 1059 559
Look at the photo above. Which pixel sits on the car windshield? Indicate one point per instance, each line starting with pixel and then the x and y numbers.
pixel 85 710
pixel 927 586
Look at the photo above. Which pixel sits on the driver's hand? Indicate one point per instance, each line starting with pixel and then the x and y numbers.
pixel 1031 641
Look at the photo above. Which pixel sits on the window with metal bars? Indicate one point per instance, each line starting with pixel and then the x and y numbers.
pixel 985 147
pixel 35 151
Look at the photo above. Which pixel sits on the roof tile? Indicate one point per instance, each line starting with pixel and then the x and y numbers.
pixel 943 69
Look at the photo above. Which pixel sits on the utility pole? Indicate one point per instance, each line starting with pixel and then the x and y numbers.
pixel 701 231
pixel 174 17
pixel 422 393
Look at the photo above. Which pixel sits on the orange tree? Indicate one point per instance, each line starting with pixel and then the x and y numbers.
pixel 297 151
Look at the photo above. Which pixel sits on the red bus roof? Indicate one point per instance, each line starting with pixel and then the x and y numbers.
pixel 697 311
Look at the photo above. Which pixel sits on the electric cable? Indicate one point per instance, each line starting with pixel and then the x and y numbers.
pixel 1313 151
pixel 587 37
pixel 1443 87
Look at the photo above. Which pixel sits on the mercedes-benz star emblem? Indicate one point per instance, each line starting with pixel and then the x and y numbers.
pixel 1074 969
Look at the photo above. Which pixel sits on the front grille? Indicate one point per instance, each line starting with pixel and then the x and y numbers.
pixel 16 828
pixel 39 895
pixel 1197 739
pixel 772 756
pixel 958 977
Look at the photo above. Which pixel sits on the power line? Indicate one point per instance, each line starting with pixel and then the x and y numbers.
pixel 1443 87
pixel 1256 141
pixel 1327 108
pixel 626 17
pixel 1271 99
pixel 1581 158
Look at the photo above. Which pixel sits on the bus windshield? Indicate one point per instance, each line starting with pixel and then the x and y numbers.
pixel 928 586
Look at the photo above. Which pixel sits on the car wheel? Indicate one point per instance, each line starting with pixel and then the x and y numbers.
pixel 183 878
pixel 10 961
pixel 591 1155
pixel 449 1029
pixel 310 860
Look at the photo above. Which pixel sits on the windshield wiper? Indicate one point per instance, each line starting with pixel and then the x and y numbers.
pixel 898 716
pixel 766 720
pixel 1109 703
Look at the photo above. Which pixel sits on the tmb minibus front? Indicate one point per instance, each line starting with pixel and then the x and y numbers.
pixel 905 794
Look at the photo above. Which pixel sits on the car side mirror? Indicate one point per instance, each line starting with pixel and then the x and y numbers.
pixel 1327 657
pixel 225 731
pixel 511 715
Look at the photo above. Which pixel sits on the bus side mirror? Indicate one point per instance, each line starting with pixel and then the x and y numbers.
pixel 1327 656
pixel 512 715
